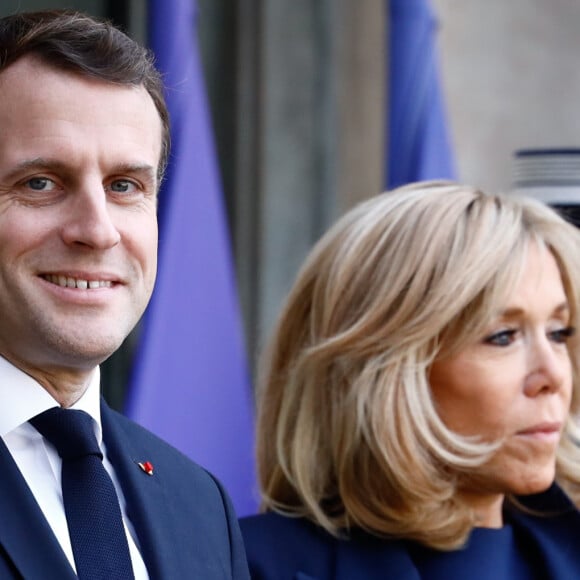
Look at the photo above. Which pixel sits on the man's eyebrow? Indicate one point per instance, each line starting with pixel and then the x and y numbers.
pixel 46 163
pixel 134 168
pixel 37 163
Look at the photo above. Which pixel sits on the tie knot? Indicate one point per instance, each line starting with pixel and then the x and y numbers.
pixel 70 431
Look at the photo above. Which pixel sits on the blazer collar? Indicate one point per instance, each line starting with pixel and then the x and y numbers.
pixel 374 559
pixel 556 538
pixel 25 535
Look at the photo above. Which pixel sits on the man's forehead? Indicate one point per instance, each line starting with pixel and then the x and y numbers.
pixel 28 63
pixel 45 116
pixel 38 76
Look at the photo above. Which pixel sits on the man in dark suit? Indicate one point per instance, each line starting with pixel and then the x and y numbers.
pixel 84 140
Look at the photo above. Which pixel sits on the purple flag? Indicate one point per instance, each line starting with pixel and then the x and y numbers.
pixel 190 382
pixel 418 141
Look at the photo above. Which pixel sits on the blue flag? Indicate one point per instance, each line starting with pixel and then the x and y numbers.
pixel 190 382
pixel 417 136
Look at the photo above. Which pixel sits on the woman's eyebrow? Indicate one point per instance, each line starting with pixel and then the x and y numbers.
pixel 515 311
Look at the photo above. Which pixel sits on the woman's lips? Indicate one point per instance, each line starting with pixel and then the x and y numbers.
pixel 544 430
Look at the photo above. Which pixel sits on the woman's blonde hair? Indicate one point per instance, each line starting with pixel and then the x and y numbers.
pixel 348 434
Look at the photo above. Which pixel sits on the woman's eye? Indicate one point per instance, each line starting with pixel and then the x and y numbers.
pixel 123 186
pixel 502 338
pixel 41 184
pixel 562 334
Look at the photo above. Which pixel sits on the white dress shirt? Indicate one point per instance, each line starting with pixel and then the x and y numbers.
pixel 22 398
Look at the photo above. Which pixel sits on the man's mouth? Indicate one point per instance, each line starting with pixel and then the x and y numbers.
pixel 81 284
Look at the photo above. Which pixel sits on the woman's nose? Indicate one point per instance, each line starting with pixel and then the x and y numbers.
pixel 550 367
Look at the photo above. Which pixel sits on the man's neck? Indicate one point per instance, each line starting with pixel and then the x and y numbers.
pixel 65 385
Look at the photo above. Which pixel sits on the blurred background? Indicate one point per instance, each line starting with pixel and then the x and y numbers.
pixel 313 105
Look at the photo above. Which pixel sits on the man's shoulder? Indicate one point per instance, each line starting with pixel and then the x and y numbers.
pixel 127 431
pixel 191 487
pixel 187 506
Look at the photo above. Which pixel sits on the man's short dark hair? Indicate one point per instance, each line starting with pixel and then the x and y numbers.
pixel 72 41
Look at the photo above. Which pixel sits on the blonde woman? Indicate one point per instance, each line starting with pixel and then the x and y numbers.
pixel 417 402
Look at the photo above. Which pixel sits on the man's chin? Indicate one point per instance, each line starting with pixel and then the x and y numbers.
pixel 82 355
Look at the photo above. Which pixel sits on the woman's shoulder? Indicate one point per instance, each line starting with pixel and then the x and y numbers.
pixel 276 542
pixel 292 548
pixel 271 524
pixel 281 547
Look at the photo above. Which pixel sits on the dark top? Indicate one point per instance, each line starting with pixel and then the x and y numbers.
pixel 509 550
pixel 529 547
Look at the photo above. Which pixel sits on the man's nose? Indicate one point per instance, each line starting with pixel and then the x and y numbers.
pixel 89 221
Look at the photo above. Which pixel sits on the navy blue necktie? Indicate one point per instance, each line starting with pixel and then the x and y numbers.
pixel 92 509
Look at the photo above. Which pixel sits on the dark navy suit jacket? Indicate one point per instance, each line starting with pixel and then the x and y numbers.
pixel 184 521
pixel 284 548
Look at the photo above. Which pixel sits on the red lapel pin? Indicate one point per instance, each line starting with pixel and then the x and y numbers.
pixel 146 466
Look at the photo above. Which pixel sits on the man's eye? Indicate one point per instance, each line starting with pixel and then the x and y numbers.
pixel 502 338
pixel 41 184
pixel 123 186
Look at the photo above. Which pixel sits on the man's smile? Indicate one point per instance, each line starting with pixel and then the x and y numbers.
pixel 80 283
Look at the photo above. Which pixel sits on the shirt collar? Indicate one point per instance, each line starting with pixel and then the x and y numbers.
pixel 21 398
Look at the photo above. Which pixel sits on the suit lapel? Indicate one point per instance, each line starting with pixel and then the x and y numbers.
pixel 147 503
pixel 24 532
